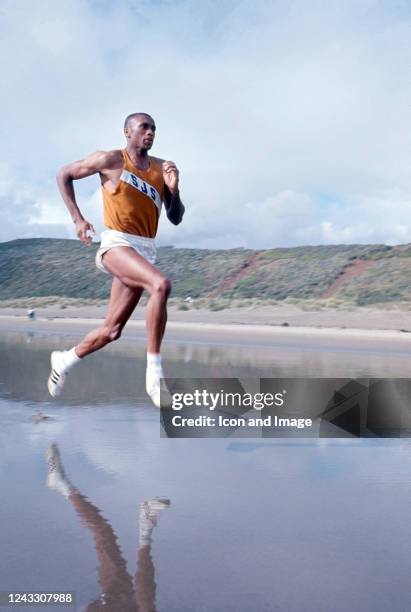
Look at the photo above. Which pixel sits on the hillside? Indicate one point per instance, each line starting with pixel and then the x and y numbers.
pixel 361 274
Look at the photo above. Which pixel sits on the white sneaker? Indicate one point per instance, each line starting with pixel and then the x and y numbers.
pixel 157 389
pixel 56 477
pixel 151 507
pixel 57 378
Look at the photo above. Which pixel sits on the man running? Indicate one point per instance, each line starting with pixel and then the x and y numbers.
pixel 134 186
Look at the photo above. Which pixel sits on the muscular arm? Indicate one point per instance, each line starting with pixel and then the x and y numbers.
pixel 173 205
pixel 96 163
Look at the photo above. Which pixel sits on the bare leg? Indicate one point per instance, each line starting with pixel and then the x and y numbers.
pixel 123 301
pixel 151 323
pixel 137 273
pixel 145 581
pixel 165 323
pixel 116 583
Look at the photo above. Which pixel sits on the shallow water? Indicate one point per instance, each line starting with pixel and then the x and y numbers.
pixel 296 525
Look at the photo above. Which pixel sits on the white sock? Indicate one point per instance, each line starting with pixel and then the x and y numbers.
pixel 144 538
pixel 153 361
pixel 149 513
pixel 68 359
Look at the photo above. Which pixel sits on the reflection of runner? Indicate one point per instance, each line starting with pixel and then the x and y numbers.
pixel 134 186
pixel 118 594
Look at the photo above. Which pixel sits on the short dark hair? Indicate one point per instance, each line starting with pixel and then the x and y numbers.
pixel 134 116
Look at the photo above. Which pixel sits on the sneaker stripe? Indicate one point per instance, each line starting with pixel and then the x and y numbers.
pixel 57 378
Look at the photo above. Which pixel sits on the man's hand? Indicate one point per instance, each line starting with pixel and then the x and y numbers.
pixel 170 175
pixel 82 229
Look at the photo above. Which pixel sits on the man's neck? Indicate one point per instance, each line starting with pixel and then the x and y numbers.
pixel 139 157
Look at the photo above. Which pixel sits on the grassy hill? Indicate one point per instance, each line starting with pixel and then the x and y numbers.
pixel 50 267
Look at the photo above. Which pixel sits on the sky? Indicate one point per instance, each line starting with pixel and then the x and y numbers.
pixel 289 120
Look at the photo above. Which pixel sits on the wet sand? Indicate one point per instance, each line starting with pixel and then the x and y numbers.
pixel 290 315
pixel 246 524
pixel 217 331
pixel 249 525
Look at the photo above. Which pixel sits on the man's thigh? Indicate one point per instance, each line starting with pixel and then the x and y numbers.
pixel 131 268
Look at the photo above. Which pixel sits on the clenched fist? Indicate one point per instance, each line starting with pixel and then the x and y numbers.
pixel 170 175
pixel 84 231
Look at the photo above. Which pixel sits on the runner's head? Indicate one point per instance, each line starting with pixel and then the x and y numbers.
pixel 140 129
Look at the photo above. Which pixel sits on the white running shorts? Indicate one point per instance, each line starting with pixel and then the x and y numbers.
pixel 110 238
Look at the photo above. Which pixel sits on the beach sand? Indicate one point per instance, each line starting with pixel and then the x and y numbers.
pixel 285 325
pixel 290 315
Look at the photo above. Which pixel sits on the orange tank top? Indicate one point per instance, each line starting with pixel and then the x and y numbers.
pixel 134 206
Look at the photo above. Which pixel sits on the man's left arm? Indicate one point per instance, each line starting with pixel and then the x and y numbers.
pixel 172 202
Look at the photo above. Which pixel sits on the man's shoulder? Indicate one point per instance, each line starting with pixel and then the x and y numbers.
pixel 157 160
pixel 110 159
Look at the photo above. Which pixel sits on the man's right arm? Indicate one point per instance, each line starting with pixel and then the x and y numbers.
pixel 93 164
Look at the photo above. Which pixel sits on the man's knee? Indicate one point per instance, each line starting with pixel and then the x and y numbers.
pixel 110 333
pixel 162 285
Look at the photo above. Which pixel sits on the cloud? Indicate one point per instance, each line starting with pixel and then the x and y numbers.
pixel 23 209
pixel 289 121
pixel 293 218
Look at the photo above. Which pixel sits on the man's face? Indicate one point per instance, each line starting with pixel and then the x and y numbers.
pixel 140 132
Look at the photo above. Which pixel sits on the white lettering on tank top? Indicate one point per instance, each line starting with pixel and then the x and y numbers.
pixel 142 186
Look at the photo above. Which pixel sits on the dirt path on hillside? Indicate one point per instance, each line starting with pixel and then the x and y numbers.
pixel 357 267
pixel 230 281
